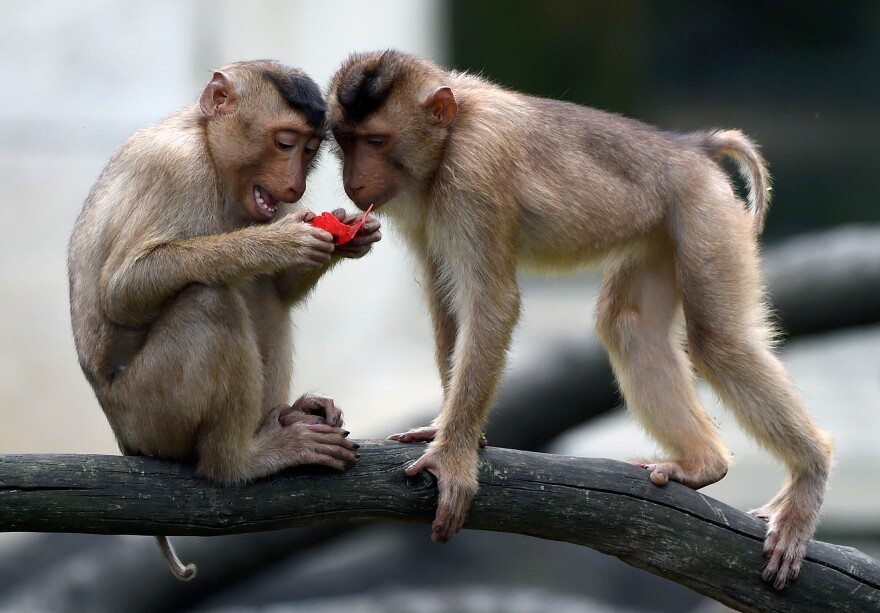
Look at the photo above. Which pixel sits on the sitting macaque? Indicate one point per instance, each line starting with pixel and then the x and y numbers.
pixel 184 264
pixel 479 179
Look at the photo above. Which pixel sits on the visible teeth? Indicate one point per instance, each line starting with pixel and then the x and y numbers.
pixel 258 198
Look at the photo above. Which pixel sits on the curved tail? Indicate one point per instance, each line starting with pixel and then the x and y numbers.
pixel 177 568
pixel 751 165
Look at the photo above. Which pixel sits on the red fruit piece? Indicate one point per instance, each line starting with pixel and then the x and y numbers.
pixel 340 231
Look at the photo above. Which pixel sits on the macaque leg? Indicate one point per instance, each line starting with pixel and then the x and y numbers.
pixel 197 382
pixel 730 344
pixel 637 316
pixel 276 344
pixel 199 378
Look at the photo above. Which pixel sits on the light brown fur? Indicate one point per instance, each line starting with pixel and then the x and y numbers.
pixel 181 288
pixel 480 178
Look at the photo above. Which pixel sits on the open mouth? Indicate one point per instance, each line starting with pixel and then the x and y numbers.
pixel 267 204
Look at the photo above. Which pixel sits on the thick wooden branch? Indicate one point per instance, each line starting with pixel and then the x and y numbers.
pixel 610 506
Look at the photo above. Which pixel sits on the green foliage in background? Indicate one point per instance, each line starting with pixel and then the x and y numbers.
pixel 802 78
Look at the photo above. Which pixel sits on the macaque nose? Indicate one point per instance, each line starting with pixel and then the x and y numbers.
pixel 356 183
pixel 354 188
pixel 296 187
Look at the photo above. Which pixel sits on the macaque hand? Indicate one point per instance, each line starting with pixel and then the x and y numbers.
pixel 457 484
pixel 309 409
pixel 426 434
pixel 313 408
pixel 309 247
pixel 363 241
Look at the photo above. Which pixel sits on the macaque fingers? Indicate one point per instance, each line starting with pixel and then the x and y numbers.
pixel 300 417
pixel 336 438
pixel 362 240
pixel 273 420
pixel 323 444
pixel 687 474
pixel 455 493
pixel 424 434
pixel 302 215
pixel 783 566
pixel 342 231
pixel 425 462
pixel 784 546
pixel 339 452
pixel 453 502
pixel 321 406
pixel 354 252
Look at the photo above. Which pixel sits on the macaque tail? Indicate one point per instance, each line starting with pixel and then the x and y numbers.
pixel 178 569
pixel 751 165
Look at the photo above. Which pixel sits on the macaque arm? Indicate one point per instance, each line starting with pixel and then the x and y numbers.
pixel 295 282
pixel 445 331
pixel 443 319
pixel 487 311
pixel 134 286
pixel 485 299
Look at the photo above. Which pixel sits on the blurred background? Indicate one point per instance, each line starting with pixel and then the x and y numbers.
pixel 803 79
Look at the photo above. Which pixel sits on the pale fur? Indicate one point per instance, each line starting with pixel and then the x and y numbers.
pixel 516 179
pixel 180 301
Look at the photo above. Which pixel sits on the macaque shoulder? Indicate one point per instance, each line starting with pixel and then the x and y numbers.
pixel 166 153
pixel 156 182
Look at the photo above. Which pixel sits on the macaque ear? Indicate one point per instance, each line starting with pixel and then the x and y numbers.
pixel 219 96
pixel 442 106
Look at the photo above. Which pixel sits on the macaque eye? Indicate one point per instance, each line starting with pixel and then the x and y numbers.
pixel 377 142
pixel 312 146
pixel 286 140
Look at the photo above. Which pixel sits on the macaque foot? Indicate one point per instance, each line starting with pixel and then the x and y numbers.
pixel 323 444
pixel 784 546
pixel 426 434
pixel 691 474
pixel 456 490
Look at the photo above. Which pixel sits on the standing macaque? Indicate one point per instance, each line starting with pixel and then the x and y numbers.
pixel 479 178
pixel 183 266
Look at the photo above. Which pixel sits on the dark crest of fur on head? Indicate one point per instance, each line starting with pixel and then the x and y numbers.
pixel 300 92
pixel 366 88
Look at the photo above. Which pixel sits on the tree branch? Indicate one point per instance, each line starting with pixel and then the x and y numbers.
pixel 610 506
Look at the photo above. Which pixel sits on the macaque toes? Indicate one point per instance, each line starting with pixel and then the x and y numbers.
pixel 479 178
pixel 183 266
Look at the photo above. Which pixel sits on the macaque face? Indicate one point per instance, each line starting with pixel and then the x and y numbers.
pixel 370 173
pixel 263 138
pixel 279 176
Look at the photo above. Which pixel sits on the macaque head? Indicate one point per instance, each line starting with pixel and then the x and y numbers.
pixel 264 124
pixel 390 114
